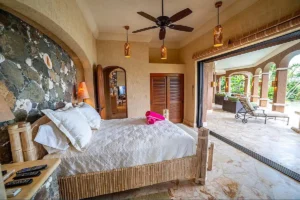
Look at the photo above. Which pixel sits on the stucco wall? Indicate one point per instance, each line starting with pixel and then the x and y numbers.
pixel 63 22
pixel 138 69
pixel 173 56
pixel 258 14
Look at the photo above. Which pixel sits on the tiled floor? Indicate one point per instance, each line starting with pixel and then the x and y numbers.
pixel 235 175
pixel 274 140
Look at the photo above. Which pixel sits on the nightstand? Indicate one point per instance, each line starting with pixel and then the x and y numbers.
pixel 44 186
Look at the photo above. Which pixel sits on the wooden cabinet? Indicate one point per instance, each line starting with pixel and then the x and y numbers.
pixel 166 92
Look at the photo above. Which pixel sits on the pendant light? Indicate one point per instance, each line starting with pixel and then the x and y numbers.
pixel 163 51
pixel 218 31
pixel 127 45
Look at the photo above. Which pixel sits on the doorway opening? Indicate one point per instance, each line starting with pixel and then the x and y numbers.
pixel 115 91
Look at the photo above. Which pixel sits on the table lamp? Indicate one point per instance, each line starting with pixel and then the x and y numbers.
pixel 5 115
pixel 82 91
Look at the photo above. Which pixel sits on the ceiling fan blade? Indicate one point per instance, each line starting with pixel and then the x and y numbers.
pixel 181 28
pixel 147 16
pixel 180 15
pixel 144 29
pixel 162 33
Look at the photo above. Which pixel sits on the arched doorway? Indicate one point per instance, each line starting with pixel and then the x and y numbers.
pixel 115 91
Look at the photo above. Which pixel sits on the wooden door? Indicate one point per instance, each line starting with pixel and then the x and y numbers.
pixel 158 93
pixel 166 92
pixel 100 88
pixel 175 98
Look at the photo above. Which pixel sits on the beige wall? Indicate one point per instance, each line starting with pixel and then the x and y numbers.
pixel 63 22
pixel 138 69
pixel 255 16
pixel 173 56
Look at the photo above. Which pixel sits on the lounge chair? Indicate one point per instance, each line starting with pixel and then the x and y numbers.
pixel 250 111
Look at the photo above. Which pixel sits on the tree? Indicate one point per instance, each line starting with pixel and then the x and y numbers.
pixel 293 83
pixel 237 83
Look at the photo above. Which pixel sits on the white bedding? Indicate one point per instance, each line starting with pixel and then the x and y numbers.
pixel 124 143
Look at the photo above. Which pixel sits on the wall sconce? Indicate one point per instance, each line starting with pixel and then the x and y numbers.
pixel 163 51
pixel 274 83
pixel 214 84
pixel 218 30
pixel 260 83
pixel 82 91
pixel 127 45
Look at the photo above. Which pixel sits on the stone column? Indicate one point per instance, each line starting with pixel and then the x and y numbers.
pixel 255 86
pixel 263 101
pixel 280 90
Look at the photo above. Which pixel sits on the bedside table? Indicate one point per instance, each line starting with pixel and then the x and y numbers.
pixel 44 186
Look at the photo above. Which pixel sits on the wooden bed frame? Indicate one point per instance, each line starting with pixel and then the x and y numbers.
pixel 104 182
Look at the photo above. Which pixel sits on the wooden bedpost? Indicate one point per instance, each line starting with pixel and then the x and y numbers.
pixel 201 155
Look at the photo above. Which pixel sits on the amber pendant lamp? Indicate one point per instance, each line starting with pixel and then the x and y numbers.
pixel 163 51
pixel 127 45
pixel 218 30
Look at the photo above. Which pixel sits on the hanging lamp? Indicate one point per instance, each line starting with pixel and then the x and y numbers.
pixel 127 45
pixel 218 30
pixel 163 51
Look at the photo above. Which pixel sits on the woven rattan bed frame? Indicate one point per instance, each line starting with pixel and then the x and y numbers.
pixel 104 182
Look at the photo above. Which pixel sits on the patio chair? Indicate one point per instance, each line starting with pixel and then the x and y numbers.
pixel 250 111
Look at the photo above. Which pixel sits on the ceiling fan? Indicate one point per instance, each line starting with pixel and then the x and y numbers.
pixel 164 21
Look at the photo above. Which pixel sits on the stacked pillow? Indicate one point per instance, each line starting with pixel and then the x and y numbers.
pixel 68 125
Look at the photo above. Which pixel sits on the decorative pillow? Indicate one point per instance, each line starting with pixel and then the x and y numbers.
pixel 51 138
pixel 92 116
pixel 73 125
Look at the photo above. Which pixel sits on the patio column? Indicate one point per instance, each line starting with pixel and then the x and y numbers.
pixel 255 87
pixel 247 86
pixel 264 90
pixel 215 88
pixel 280 90
pixel 227 84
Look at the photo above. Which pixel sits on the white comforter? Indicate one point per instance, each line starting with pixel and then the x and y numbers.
pixel 125 143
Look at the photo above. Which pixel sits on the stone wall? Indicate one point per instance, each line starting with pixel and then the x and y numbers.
pixel 35 74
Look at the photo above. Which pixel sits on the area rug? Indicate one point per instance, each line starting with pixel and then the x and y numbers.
pixel 155 196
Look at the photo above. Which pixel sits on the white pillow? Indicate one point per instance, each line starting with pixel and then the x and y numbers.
pixel 73 125
pixel 92 116
pixel 51 138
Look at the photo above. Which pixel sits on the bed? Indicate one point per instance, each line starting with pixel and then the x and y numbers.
pixel 126 154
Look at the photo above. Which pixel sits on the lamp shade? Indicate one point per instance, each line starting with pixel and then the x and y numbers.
pixel 214 84
pixel 5 112
pixel 274 83
pixel 218 36
pixel 127 50
pixel 82 91
pixel 163 52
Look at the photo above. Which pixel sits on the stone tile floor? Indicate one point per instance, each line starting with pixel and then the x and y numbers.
pixel 235 175
pixel 274 140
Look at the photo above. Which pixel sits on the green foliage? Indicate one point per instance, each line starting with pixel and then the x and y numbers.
pixel 293 83
pixel 221 94
pixel 223 83
pixel 233 99
pixel 237 84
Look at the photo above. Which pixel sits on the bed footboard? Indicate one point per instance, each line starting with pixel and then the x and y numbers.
pixel 99 183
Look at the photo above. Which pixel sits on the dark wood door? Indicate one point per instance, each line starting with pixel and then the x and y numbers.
pixel 166 92
pixel 158 93
pixel 175 98
pixel 100 88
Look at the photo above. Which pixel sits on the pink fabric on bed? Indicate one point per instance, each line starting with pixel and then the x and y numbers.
pixel 154 115
pixel 150 120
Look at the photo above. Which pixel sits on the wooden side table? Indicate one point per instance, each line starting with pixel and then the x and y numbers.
pixel 44 186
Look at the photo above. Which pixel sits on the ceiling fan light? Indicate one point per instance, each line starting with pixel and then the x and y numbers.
pixel 163 52
pixel 127 50
pixel 218 36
